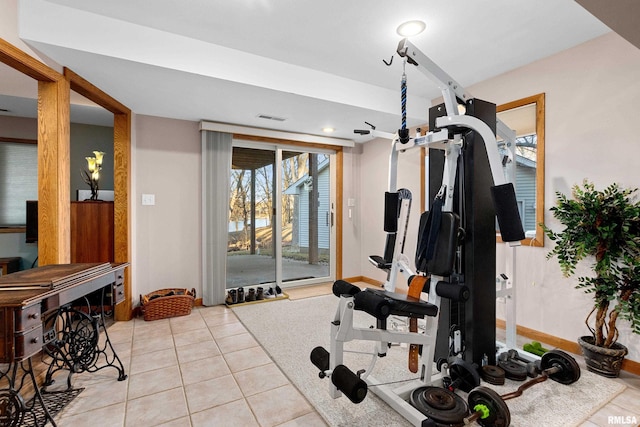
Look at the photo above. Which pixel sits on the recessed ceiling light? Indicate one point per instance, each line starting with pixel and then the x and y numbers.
pixel 411 28
pixel 328 129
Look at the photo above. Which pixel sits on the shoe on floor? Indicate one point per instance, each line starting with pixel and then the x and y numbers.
pixel 269 293
pixel 279 291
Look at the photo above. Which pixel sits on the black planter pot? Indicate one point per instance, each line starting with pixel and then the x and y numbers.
pixel 600 360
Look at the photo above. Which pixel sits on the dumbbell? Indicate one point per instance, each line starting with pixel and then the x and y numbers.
pixel 535 348
pixel 517 368
pixel 490 409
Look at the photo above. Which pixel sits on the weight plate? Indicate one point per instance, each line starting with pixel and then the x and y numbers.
pixel 464 375
pixel 493 374
pixel 495 411
pixel 440 405
pixel 513 370
pixel 569 370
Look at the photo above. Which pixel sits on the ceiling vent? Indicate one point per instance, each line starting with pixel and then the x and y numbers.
pixel 274 118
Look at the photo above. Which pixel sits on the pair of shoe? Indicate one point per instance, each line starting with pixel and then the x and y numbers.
pixel 235 296
pixel 270 293
pixel 232 297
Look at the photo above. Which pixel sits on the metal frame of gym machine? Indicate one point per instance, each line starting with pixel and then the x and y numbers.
pixel 454 139
pixel 477 200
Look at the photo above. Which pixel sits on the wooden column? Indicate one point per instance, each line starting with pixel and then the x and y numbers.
pixel 122 204
pixel 53 172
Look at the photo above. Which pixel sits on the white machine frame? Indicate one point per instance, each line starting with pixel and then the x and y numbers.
pixel 343 329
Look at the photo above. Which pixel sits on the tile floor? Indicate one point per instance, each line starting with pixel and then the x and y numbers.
pixel 200 370
pixel 205 369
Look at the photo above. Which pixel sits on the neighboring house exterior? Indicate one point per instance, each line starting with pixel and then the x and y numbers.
pixel 300 190
pixel 526 192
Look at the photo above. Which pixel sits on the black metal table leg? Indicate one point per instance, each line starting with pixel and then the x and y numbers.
pixel 76 345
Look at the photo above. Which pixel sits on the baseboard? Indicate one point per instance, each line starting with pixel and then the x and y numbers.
pixel 364 279
pixel 630 366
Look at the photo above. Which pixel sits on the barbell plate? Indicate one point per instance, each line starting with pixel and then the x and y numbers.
pixel 439 404
pixel 493 374
pixel 569 372
pixel 513 370
pixel 464 375
pixel 497 411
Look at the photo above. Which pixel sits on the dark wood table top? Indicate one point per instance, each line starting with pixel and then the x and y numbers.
pixel 24 287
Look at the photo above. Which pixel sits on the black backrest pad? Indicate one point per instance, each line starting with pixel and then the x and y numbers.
pixel 445 250
pixel 391 204
pixel 506 206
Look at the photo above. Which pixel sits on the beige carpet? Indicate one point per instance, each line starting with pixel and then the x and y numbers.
pixel 290 329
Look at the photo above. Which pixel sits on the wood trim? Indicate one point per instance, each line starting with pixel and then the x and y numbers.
pixel 13 230
pixel 121 178
pixel 53 173
pixel 53 153
pixel 122 205
pixel 368 280
pixel 26 64
pixel 270 140
pixel 95 94
pixel 563 344
pixel 540 170
pixel 18 140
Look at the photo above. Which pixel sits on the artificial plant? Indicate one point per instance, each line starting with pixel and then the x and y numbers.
pixel 605 226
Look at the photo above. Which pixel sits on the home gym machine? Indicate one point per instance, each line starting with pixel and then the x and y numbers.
pixel 454 265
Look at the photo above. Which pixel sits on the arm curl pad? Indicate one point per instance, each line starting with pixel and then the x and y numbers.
pixel 375 304
pixel 340 287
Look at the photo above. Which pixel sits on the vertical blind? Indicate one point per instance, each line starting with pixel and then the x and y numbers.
pixel 18 181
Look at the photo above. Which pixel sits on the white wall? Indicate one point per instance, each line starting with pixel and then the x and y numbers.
pixel 591 132
pixel 167 235
pixel 374 181
pixel 9 32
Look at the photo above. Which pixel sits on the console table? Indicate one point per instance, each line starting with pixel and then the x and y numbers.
pixel 41 309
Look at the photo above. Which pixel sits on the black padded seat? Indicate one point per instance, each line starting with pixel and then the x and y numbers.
pixel 404 305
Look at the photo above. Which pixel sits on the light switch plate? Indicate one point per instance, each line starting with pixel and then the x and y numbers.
pixel 148 199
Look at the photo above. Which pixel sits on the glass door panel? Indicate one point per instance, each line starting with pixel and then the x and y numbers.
pixel 251 250
pixel 306 216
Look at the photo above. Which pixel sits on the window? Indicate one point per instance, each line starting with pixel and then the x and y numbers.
pixel 18 181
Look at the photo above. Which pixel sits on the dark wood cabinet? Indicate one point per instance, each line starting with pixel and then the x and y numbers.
pixel 9 265
pixel 92 231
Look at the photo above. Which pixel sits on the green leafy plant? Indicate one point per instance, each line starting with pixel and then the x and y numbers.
pixel 603 226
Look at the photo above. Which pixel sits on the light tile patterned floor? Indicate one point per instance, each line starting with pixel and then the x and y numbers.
pixel 206 370
pixel 200 370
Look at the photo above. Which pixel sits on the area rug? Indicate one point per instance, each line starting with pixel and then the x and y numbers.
pixel 55 401
pixel 289 329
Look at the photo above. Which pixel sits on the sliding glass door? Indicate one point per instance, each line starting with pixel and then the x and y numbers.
pixel 281 229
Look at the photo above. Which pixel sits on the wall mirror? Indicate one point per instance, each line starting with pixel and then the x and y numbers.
pixel 526 117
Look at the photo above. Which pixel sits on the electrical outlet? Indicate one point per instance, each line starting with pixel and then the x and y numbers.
pixel 148 199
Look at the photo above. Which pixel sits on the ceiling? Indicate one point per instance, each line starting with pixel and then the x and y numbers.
pixel 312 63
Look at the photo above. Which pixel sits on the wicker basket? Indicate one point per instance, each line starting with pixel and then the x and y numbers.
pixel 165 303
